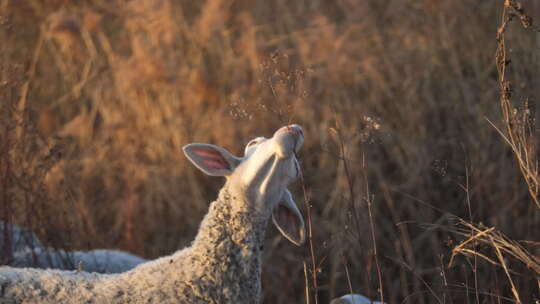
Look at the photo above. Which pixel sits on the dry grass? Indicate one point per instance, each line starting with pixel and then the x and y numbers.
pixel 519 121
pixel 97 98
pixel 520 133
pixel 502 247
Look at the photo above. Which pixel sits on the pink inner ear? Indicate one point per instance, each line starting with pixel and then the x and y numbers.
pixel 212 158
pixel 214 164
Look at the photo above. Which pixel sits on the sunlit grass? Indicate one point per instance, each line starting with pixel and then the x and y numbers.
pixel 97 99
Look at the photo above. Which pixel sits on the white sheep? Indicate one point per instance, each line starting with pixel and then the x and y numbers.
pixel 19 238
pixel 354 299
pixel 222 265
pixel 98 260
pixel 27 251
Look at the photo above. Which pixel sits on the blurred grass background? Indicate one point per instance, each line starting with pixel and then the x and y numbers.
pixel 98 97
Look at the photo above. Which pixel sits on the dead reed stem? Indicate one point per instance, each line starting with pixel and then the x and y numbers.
pixel 520 127
pixel 314 268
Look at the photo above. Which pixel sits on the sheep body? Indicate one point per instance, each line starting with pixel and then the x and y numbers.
pixel 219 267
pixel 27 251
pixel 98 260
pixel 19 239
pixel 29 285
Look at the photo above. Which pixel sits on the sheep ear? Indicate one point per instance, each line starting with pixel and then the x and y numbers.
pixel 288 219
pixel 211 159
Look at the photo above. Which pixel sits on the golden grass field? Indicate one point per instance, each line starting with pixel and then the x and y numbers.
pixel 420 161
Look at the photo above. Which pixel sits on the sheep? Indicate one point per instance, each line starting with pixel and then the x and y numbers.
pixel 223 263
pixel 27 251
pixel 354 299
pixel 98 260
pixel 19 238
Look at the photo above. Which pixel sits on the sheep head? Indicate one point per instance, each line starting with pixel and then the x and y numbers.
pixel 260 178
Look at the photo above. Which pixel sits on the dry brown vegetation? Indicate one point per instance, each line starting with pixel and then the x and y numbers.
pixel 409 162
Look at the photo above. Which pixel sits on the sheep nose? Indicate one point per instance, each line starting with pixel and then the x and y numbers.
pixel 294 129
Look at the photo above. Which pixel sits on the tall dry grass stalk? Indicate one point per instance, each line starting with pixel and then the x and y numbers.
pixel 521 134
pixel 98 97
pixel 519 122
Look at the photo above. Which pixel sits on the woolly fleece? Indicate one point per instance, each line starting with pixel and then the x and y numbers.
pixel 223 265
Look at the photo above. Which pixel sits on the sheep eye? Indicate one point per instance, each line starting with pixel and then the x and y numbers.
pixel 255 141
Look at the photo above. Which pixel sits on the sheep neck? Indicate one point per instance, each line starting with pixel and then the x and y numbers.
pixel 230 241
